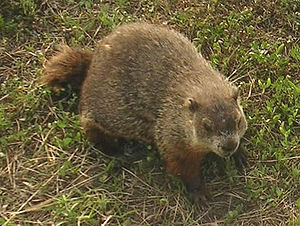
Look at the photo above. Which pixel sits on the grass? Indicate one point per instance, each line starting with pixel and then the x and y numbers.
pixel 50 174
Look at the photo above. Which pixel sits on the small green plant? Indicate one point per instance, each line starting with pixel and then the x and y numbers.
pixel 80 208
pixel 28 7
pixel 232 215
pixel 295 53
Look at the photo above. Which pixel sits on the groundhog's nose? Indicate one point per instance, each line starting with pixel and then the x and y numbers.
pixel 230 145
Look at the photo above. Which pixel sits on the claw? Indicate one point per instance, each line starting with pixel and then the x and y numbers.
pixel 198 192
pixel 240 158
pixel 201 197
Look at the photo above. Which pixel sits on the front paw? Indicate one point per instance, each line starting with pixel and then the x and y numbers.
pixel 240 159
pixel 198 191
pixel 200 196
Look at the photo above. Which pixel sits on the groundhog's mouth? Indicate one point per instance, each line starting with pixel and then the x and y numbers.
pixel 228 147
pixel 227 155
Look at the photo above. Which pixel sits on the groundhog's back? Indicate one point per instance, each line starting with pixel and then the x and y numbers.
pixel 135 70
pixel 130 76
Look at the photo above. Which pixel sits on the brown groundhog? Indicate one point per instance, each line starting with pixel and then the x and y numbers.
pixel 147 82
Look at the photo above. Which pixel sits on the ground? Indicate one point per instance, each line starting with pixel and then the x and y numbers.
pixel 51 175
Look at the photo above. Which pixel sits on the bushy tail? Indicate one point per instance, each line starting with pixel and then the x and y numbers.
pixel 67 66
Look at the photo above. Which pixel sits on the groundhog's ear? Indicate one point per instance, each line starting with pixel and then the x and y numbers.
pixel 235 93
pixel 191 104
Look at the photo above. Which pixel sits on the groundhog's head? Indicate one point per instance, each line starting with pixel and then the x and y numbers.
pixel 218 123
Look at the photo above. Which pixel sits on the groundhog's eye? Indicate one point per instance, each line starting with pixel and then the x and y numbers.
pixel 193 105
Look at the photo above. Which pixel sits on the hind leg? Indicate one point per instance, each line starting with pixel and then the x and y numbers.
pixel 102 141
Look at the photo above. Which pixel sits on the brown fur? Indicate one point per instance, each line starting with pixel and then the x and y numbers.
pixel 68 66
pixel 146 82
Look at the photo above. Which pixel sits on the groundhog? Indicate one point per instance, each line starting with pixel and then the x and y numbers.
pixel 147 82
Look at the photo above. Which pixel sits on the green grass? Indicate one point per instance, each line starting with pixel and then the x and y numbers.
pixel 49 172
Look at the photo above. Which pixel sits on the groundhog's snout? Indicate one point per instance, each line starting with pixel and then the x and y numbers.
pixel 230 146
